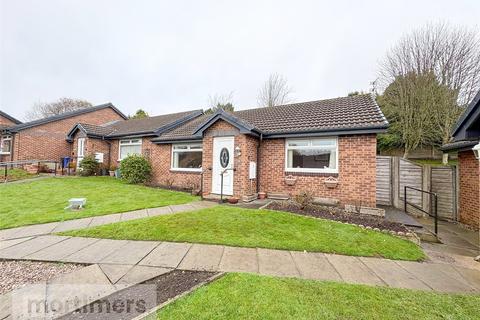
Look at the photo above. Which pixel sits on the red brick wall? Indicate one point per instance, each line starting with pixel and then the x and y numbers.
pixel 6 122
pixel 91 147
pixel 357 171
pixel 469 189
pixel 160 157
pixel 47 142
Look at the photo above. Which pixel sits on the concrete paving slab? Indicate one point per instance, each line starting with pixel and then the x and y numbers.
pixel 8 243
pixel 95 252
pixel 101 220
pixel 115 272
pixel 167 254
pixel 314 265
pixel 35 230
pixel 434 277
pixel 153 212
pixel 132 215
pixel 78 288
pixel 203 204
pixel 181 208
pixel 394 275
pixel 5 305
pixel 8 234
pixel 139 274
pixel 276 263
pixel 470 275
pixel 72 225
pixel 239 260
pixel 202 257
pixel 60 250
pixel 131 253
pixel 352 270
pixel 28 247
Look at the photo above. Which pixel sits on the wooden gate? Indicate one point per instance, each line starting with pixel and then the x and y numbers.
pixel 443 183
pixel 394 173
pixel 384 180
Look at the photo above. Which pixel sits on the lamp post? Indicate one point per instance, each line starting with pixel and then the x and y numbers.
pixel 476 152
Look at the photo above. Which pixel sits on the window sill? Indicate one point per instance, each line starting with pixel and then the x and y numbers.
pixel 4 153
pixel 315 174
pixel 185 170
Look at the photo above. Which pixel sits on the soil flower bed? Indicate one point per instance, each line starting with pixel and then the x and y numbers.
pixel 337 214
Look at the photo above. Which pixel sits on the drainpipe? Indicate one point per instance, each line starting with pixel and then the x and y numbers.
pixel 258 162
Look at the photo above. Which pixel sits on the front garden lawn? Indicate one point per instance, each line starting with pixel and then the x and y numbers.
pixel 259 228
pixel 44 200
pixel 16 174
pixel 243 296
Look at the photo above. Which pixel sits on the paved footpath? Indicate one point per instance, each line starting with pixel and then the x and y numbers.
pixel 47 228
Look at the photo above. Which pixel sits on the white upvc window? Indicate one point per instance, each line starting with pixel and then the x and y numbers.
pixel 128 147
pixel 5 144
pixel 315 155
pixel 187 157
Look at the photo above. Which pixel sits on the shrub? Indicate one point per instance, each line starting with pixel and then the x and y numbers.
pixel 135 169
pixel 88 166
pixel 304 199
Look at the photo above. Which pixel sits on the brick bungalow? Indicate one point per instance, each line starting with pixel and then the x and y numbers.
pixel 6 121
pixel 466 136
pixel 327 147
pixel 44 139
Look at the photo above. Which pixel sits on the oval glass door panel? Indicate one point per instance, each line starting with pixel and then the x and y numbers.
pixel 224 157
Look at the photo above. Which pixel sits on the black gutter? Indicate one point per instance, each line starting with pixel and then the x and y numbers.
pixel 327 132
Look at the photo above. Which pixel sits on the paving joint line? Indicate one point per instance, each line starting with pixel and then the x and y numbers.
pixel 23 257
pixel 295 264
pixel 331 264
pixel 186 253
pixel 398 264
pixel 373 272
pixel 88 245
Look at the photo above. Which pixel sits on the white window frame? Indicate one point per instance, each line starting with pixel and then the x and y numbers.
pixel 189 149
pixel 310 146
pixel 3 139
pixel 128 142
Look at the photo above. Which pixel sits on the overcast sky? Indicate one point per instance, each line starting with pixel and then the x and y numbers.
pixel 168 56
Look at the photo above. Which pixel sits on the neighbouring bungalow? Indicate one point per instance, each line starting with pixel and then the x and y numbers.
pixel 326 147
pixel 6 121
pixel 44 139
pixel 466 142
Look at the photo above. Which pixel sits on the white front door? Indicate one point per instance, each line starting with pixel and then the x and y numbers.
pixel 223 148
pixel 80 150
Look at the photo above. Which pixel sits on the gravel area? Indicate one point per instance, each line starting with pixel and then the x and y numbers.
pixel 337 214
pixel 16 274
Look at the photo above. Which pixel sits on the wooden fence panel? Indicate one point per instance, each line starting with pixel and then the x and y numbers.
pixel 411 174
pixel 384 181
pixel 444 185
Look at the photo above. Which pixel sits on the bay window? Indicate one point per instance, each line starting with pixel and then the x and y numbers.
pixel 312 155
pixel 129 147
pixel 5 144
pixel 187 157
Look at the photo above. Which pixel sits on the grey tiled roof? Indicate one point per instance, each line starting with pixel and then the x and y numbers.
pixel 346 113
pixel 353 112
pixel 100 131
pixel 151 124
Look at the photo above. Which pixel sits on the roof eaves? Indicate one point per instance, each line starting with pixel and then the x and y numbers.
pixel 241 124
pixel 327 132
pixel 9 117
pixel 461 145
pixel 467 113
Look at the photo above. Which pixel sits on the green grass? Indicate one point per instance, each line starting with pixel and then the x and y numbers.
pixel 42 201
pixel 242 296
pixel 17 174
pixel 259 228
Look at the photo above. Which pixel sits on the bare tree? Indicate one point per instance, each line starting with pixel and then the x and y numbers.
pixel 220 101
pixel 274 92
pixel 427 77
pixel 451 53
pixel 43 110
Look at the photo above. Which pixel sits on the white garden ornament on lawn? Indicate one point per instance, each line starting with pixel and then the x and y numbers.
pixel 76 203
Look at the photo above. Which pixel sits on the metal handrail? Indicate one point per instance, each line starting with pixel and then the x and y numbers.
pixel 435 206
